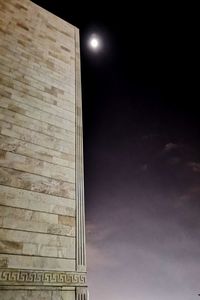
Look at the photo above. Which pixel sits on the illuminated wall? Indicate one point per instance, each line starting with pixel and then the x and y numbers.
pixel 42 225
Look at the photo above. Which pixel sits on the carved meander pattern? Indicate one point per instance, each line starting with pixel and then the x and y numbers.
pixel 26 277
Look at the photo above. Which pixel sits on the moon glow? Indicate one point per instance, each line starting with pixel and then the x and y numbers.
pixel 94 42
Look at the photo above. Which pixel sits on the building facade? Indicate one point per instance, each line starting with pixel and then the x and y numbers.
pixel 42 222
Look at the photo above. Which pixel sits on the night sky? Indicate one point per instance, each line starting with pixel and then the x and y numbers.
pixel 141 149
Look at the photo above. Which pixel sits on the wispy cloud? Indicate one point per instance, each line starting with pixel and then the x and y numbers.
pixel 99 258
pixel 99 232
pixel 194 166
pixel 143 241
pixel 170 146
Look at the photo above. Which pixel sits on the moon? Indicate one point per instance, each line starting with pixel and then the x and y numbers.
pixel 94 42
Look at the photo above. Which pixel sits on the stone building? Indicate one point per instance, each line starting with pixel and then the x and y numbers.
pixel 42 223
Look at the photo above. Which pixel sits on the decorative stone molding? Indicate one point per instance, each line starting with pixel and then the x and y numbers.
pixel 47 278
pixel 80 206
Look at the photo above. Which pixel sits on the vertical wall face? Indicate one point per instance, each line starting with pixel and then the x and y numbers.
pixel 42 229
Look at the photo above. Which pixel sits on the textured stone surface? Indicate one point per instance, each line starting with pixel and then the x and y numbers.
pixel 41 295
pixel 14 197
pixel 42 225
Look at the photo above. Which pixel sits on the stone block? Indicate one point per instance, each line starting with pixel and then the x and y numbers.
pixel 34 201
pixel 34 295
pixel 36 263
pixel 37 183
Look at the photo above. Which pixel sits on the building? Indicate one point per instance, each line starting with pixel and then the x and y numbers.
pixel 42 223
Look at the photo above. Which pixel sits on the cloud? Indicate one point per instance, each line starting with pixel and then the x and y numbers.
pixel 143 236
pixel 163 266
pixel 98 233
pixel 100 258
pixel 194 166
pixel 170 146
pixel 174 160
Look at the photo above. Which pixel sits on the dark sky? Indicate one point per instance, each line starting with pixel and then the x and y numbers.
pixel 141 147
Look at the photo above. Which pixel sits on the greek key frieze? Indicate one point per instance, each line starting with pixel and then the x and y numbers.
pixel 28 277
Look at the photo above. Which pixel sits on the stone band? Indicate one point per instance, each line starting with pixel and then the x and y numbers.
pixel 47 278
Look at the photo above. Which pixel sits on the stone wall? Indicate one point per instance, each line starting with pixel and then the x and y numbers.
pixel 42 225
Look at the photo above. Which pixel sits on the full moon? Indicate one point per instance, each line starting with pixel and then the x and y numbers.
pixel 94 42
